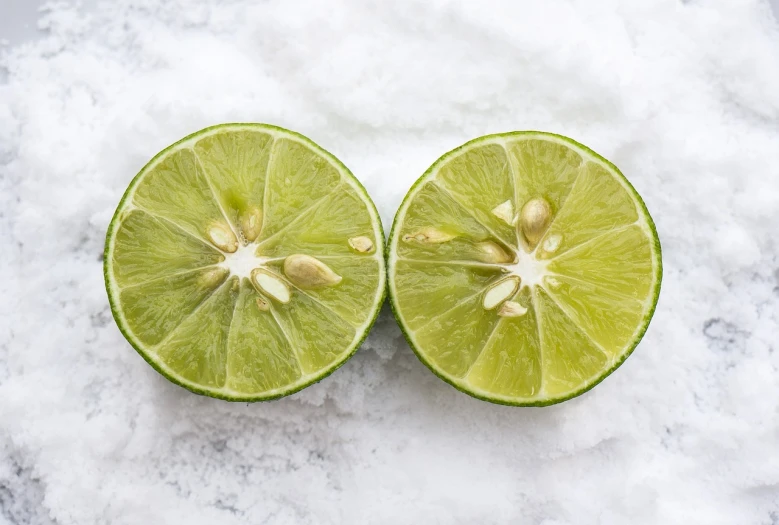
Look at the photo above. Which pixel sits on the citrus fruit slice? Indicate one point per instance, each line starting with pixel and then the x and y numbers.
pixel 523 268
pixel 245 262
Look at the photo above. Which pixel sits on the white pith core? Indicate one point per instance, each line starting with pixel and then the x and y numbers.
pixel 529 269
pixel 530 272
pixel 241 262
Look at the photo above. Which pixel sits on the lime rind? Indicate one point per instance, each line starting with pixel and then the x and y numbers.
pixel 305 380
pixel 459 383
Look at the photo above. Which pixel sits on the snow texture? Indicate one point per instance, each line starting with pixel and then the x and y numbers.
pixel 683 96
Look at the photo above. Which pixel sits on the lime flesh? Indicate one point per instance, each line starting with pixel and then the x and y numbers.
pixel 244 262
pixel 523 268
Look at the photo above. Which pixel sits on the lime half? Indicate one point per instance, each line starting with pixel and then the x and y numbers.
pixel 523 268
pixel 245 262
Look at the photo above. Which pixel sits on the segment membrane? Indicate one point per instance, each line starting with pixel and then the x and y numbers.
pixel 148 248
pixel 260 357
pixel 298 177
pixel 236 164
pixel 424 290
pixel 619 262
pixel 569 359
pixel 353 297
pixel 434 208
pixel 480 179
pixel 176 188
pixel 197 348
pixel 324 229
pixel 153 309
pixel 543 168
pixel 597 204
pixel 607 318
pixel 318 335
pixel 454 339
pixel 509 364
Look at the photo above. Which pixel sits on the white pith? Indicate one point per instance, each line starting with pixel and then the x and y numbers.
pixel 241 263
pixel 529 269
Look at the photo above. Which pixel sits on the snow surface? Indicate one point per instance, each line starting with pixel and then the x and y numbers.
pixel 683 96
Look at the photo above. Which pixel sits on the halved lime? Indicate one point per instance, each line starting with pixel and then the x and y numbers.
pixel 245 262
pixel 523 268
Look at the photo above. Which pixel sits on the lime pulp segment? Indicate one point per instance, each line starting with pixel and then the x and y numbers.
pixel 523 268
pixel 245 262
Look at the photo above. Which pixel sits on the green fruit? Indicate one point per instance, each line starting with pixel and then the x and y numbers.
pixel 523 268
pixel 244 262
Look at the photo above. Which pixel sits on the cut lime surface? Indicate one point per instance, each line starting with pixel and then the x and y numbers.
pixel 245 262
pixel 523 268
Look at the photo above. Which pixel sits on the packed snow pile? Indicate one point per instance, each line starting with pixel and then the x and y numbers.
pixel 683 96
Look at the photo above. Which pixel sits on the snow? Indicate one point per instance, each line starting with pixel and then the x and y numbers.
pixel 682 96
